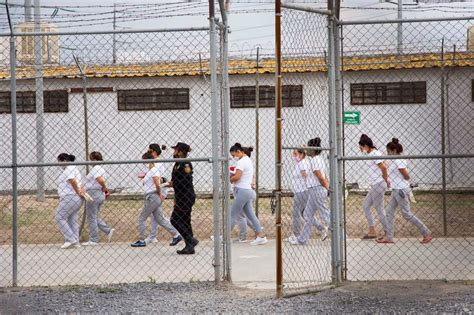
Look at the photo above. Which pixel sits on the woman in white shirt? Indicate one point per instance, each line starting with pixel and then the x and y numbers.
pixel 96 188
pixel 378 177
pixel 243 193
pixel 154 196
pixel 300 191
pixel 399 176
pixel 155 150
pixel 70 202
pixel 318 187
pixel 244 221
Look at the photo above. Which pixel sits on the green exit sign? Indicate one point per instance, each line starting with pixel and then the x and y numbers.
pixel 351 118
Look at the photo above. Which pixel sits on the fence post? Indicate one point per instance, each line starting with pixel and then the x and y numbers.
pixel 333 163
pixel 339 145
pixel 215 145
pixel 14 154
pixel 279 262
pixel 39 104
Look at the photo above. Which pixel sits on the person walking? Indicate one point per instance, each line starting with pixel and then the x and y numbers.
pixel 154 197
pixel 243 193
pixel 184 198
pixel 378 178
pixel 95 186
pixel 70 201
pixel 244 221
pixel 155 150
pixel 318 187
pixel 399 177
pixel 300 191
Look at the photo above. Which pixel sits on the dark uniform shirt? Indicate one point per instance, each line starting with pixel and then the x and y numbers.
pixel 182 178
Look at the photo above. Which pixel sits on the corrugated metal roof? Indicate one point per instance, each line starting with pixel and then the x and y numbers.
pixel 243 66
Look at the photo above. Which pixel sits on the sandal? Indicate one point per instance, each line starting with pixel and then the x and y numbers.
pixel 369 237
pixel 426 239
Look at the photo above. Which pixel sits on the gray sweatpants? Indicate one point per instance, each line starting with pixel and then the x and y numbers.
pixel 154 223
pixel 242 205
pixel 300 200
pixel 92 213
pixel 375 198
pixel 67 215
pixel 316 202
pixel 400 198
pixel 153 207
pixel 244 222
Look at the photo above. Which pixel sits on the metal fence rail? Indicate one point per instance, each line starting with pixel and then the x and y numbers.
pixel 116 93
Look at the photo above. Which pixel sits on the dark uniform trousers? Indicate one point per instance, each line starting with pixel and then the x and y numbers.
pixel 182 178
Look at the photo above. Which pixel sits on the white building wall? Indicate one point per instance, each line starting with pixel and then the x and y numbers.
pixel 126 135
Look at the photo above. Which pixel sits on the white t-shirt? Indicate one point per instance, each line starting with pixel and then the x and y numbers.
pixel 91 178
pixel 374 171
pixel 64 186
pixel 299 182
pixel 245 181
pixel 316 164
pixel 148 183
pixel 396 178
pixel 161 169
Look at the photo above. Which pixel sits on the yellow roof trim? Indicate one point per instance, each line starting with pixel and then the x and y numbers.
pixel 243 66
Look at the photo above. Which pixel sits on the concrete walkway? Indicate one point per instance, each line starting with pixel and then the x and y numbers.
pixel 252 266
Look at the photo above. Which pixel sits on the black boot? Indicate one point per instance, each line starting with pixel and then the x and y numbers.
pixel 187 250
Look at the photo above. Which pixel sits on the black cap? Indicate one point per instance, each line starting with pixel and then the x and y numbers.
pixel 183 147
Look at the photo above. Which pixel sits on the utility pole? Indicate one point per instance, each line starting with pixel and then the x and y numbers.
pixel 39 103
pixel 400 28
pixel 114 41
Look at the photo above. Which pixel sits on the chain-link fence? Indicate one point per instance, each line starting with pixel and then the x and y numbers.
pixel 114 93
pixel 411 81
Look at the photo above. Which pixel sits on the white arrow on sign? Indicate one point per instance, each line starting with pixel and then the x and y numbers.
pixel 353 115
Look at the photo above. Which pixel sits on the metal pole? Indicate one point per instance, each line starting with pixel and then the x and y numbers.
pixel 340 145
pixel 400 27
pixel 14 153
pixel 226 122
pixel 279 258
pixel 39 105
pixel 443 142
pixel 333 172
pixel 339 149
pixel 114 41
pixel 257 131
pixel 215 144
pixel 28 10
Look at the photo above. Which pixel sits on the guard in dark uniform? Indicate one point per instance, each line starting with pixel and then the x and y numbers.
pixel 184 198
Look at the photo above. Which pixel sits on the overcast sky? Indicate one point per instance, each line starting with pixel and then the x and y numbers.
pixel 248 30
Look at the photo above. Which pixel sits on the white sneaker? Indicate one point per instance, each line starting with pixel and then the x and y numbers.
pixel 291 239
pixel 76 245
pixel 324 233
pixel 294 241
pixel 151 240
pixel 109 236
pixel 67 245
pixel 259 241
pixel 90 243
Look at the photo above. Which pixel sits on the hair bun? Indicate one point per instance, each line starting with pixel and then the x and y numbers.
pixel 163 147
pixel 72 158
pixel 250 149
pixel 395 140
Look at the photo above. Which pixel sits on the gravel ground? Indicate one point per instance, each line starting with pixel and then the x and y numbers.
pixel 363 297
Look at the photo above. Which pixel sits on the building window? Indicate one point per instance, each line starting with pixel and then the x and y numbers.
pixel 244 96
pixel 153 99
pixel 53 102
pixel 388 93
